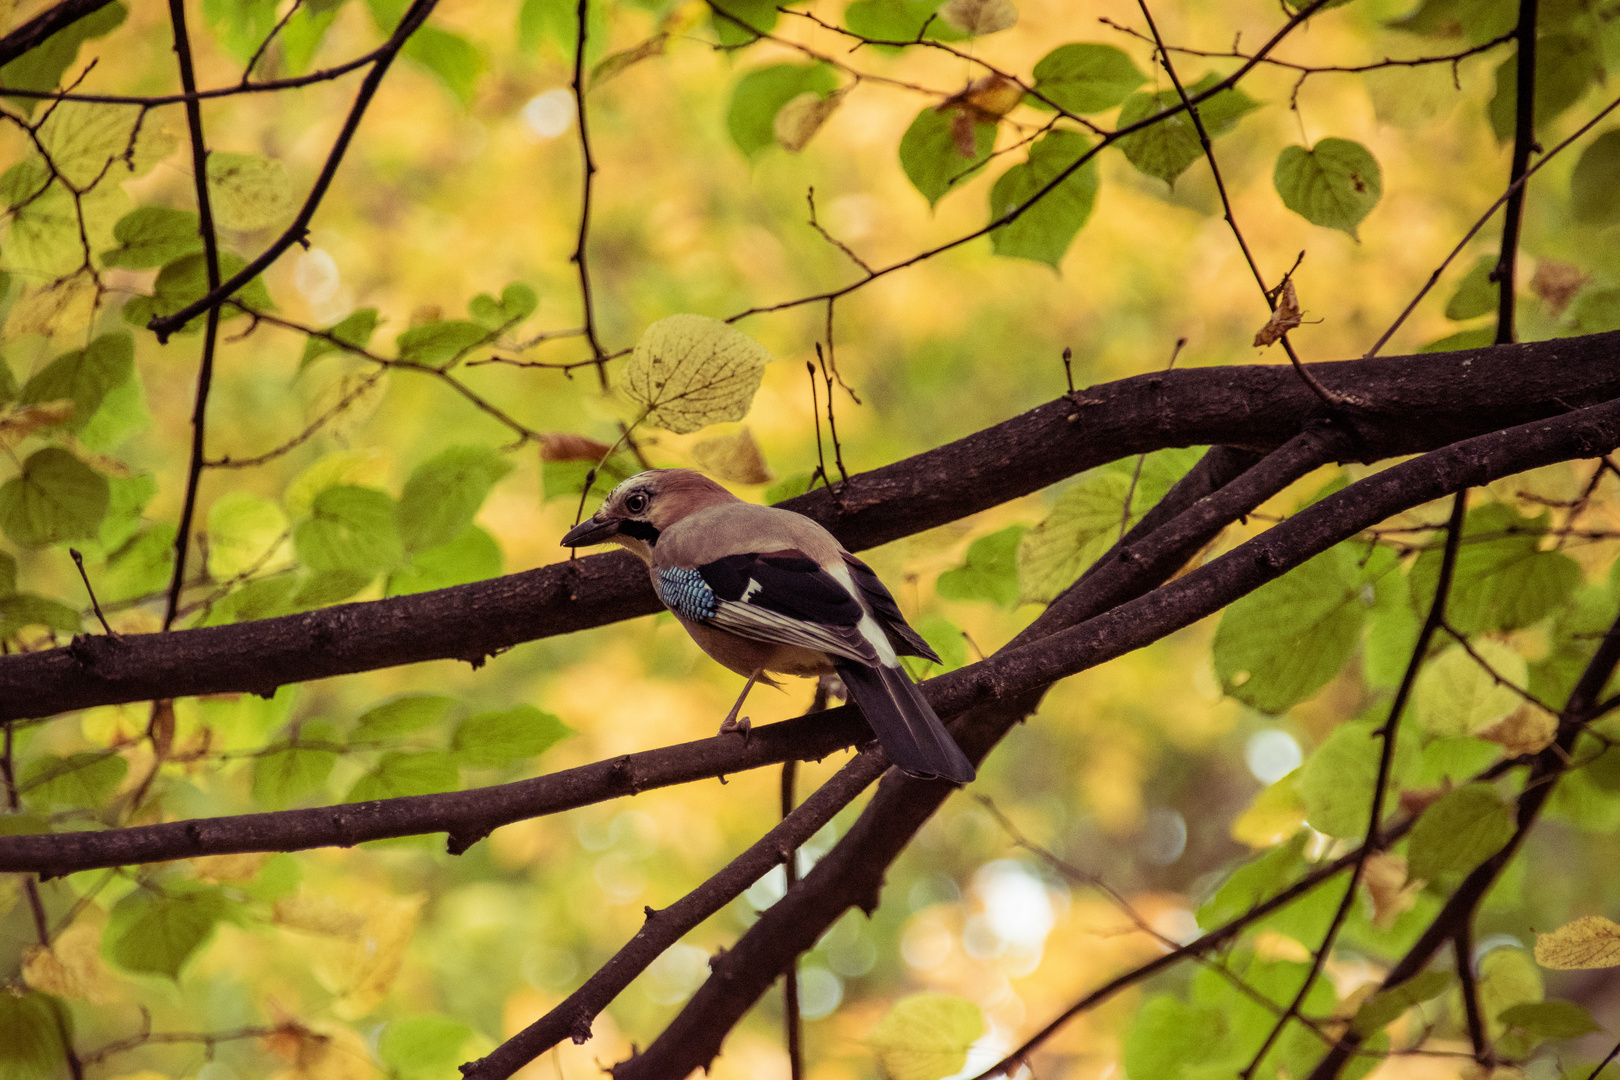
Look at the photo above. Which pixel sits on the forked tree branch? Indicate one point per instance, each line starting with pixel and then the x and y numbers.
pixel 851 874
pixel 1410 405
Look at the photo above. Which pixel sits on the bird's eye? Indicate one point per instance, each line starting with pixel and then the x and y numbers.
pixel 636 503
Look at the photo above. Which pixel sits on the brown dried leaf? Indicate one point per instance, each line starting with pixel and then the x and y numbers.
pixel 1527 730
pixel 992 95
pixel 566 446
pixel 1392 894
pixel 799 120
pixel 1416 800
pixel 963 122
pixel 735 457
pixel 1557 283
pixel 619 62
pixel 1589 942
pixel 979 17
pixel 1284 319
pixel 19 422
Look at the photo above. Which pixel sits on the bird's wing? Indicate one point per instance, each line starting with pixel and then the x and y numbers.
pixel 906 641
pixel 778 596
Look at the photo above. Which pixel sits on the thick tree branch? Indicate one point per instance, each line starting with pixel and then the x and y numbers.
pixel 852 872
pixel 1406 405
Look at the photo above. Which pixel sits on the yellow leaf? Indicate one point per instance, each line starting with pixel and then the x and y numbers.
pixel 1589 942
pixel 689 371
pixel 735 457
pixel 72 966
pixel 19 422
pixel 1527 730
pixel 1457 696
pixel 1392 894
pixel 979 17
pixel 62 308
pixel 239 867
pixel 926 1036
pixel 249 191
pixel 365 468
pixel 360 970
pixel 319 915
pixel 1274 815
pixel 798 120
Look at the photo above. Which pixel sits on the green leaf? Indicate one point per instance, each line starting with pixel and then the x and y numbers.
pixel 1456 696
pixel 240 25
pixel 1085 78
pixel 1165 149
pixel 86 141
pixel 1043 231
pixel 472 555
pixel 567 478
pixel 1255 882
pixel 56 498
pixel 21 610
pixel 946 639
pixel 8 575
pixel 556 22
pixel 456 61
pixel 990 571
pixel 1566 64
pixel 1476 292
pixel 1337 780
pixel 1086 520
pixel 158 932
pixel 139 567
pixel 493 740
pixel 1286 640
pixel 790 487
pixel 439 344
pixel 1169 1039
pixel 1503 580
pixel 898 20
pixel 931 150
pixel 185 280
pixel 30 1040
pixel 1459 832
pixel 1550 1019
pixel 41 67
pixel 1477 338
pixel 743 20
pixel 329 587
pixel 1334 184
pixel 289 774
pixel 243 530
pixel 86 375
pixel 276 880
pixel 302 36
pixel 249 192
pixel 423 1047
pixel 351 530
pixel 444 493
pixel 1387 1006
pixel 127 497
pixel 760 95
pixel 354 329
pixel 401 716
pixel 1475 21
pixel 517 303
pixel 1594 186
pixel 1596 310
pixel 926 1036
pixel 84 780
pixel 399 773
pixel 265 598
pixel 1507 977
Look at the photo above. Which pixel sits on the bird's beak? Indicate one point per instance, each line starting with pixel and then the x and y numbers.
pixel 590 531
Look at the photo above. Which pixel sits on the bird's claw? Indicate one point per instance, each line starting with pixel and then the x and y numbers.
pixel 734 725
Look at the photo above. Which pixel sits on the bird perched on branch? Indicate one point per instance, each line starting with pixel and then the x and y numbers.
pixel 762 589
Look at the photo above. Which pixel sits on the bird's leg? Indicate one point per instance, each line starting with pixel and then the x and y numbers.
pixel 731 723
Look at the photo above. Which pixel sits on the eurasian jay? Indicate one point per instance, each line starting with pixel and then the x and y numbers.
pixel 762 589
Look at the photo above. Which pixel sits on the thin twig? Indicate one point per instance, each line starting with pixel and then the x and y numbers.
pixel 588 174
pixel 78 560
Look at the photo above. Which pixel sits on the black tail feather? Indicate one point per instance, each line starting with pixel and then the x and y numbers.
pixel 905 723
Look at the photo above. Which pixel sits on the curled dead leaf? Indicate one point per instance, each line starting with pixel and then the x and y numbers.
pixel 19 422
pixel 991 96
pixel 566 446
pixel 735 457
pixel 1283 319
pixel 619 62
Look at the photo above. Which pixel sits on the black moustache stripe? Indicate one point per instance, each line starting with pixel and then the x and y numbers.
pixel 641 530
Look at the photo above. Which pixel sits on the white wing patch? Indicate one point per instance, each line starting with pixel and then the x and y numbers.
pixel 761 624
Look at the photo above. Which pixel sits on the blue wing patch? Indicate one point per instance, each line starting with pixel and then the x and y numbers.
pixel 685 592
